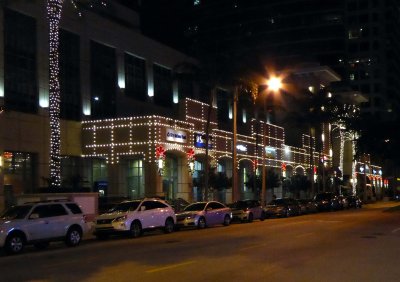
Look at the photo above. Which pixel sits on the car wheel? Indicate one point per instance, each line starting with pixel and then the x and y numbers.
pixel 262 216
pixel 135 230
pixel 41 245
pixel 74 237
pixel 14 244
pixel 169 225
pixel 227 220
pixel 202 223
pixel 250 218
pixel 287 213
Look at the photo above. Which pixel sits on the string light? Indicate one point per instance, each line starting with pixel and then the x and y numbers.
pixel 54 8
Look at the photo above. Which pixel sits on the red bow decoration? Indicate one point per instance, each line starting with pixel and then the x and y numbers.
pixel 160 152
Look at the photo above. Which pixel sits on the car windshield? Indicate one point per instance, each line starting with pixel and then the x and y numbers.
pixel 16 212
pixel 125 206
pixel 238 205
pixel 195 207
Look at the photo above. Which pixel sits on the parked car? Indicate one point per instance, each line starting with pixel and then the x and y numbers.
pixel 133 217
pixel 307 206
pixel 282 207
pixel 247 210
pixel 203 214
pixel 343 202
pixel 327 201
pixel 354 201
pixel 39 223
pixel 178 204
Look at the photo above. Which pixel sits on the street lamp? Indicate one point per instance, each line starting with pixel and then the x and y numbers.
pixel 274 84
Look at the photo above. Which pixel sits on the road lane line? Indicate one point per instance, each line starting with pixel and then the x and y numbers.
pixel 252 247
pixel 305 234
pixel 170 266
pixel 396 230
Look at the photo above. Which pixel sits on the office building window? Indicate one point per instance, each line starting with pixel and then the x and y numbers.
pixel 70 84
pixel 20 76
pixel 135 77
pixel 103 80
pixel 162 86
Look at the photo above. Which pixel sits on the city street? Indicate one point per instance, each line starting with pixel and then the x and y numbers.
pixel 349 245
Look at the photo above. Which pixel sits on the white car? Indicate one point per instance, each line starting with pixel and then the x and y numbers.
pixel 132 217
pixel 38 223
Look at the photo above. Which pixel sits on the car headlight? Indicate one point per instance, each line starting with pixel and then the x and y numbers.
pixel 120 218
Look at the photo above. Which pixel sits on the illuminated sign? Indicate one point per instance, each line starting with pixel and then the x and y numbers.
pixel 176 135
pixel 270 152
pixel 241 148
pixel 200 141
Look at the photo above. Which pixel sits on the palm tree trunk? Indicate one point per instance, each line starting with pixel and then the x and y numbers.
pixel 54 9
pixel 207 164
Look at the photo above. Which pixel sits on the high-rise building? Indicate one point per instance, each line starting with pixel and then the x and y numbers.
pixel 359 39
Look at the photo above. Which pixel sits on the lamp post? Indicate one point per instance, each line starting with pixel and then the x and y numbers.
pixel 274 85
pixel 235 188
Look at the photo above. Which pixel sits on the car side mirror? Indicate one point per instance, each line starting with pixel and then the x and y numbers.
pixel 142 208
pixel 34 216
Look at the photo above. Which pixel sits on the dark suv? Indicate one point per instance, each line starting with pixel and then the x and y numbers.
pixel 327 201
pixel 38 223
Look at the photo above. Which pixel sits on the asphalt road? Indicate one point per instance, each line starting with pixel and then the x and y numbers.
pixel 350 245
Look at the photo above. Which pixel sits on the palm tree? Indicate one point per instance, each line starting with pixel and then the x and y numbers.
pixel 54 9
pixel 54 12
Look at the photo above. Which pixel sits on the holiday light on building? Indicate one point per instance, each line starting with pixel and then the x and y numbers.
pixel 54 9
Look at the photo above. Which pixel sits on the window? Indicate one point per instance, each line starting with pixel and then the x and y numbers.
pixel 56 210
pixel 162 86
pixel 49 210
pixel 99 169
pixel 135 178
pixel 135 77
pixel 215 206
pixel 20 167
pixel 20 75
pixel 70 84
pixel 74 208
pixel 103 80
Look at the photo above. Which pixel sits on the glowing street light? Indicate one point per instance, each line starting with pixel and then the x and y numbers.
pixel 274 85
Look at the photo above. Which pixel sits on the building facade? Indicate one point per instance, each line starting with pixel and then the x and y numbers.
pixel 130 126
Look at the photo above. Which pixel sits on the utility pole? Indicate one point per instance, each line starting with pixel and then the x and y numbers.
pixel 235 190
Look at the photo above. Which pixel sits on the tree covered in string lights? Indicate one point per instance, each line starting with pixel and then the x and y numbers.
pixel 54 11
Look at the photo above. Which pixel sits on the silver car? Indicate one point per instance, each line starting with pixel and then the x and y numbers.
pixel 203 214
pixel 247 210
pixel 39 223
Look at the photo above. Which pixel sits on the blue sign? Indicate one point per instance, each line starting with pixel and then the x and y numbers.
pixel 200 141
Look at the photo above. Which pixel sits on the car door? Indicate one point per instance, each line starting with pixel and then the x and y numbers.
pixel 159 213
pixel 146 214
pixel 215 213
pixel 58 219
pixel 38 226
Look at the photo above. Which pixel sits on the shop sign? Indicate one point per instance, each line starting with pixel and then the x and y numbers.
pixel 176 135
pixel 200 141
pixel 241 148
pixel 270 152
